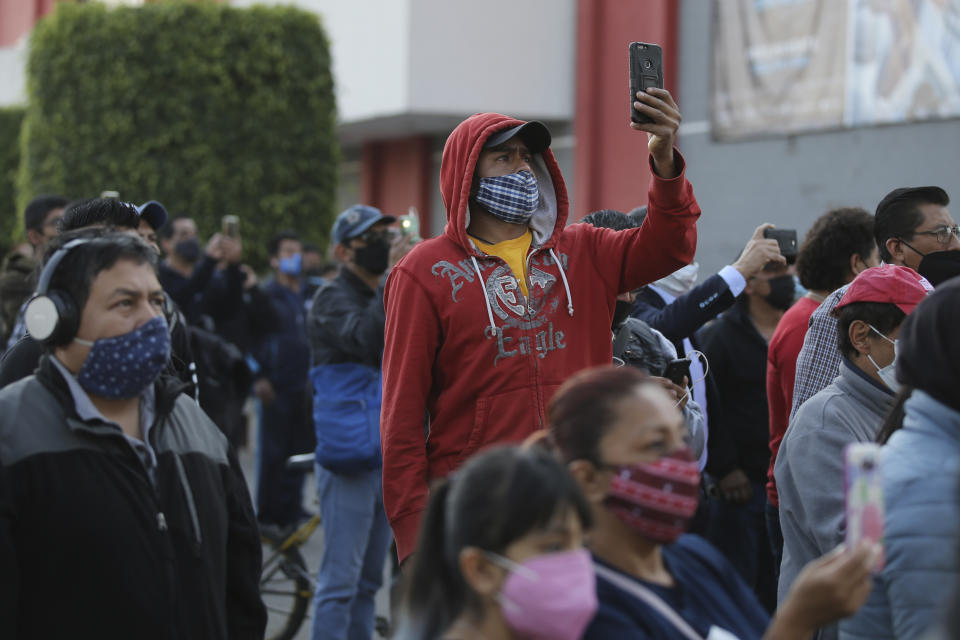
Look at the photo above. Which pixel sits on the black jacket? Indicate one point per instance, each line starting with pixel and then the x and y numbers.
pixel 346 322
pixel 739 424
pixel 91 548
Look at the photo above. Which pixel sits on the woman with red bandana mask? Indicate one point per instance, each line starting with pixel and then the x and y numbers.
pixel 622 438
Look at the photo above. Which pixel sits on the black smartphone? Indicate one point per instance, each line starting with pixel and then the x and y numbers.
pixel 787 239
pixel 677 370
pixel 646 70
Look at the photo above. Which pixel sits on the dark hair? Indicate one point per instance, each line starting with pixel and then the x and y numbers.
pixel 312 247
pixel 496 498
pixel 79 268
pixel 584 408
pixel 884 316
pixel 611 219
pixel 639 214
pixel 898 215
pixel 166 231
pixel 108 212
pixel 823 262
pixel 39 208
pixel 287 234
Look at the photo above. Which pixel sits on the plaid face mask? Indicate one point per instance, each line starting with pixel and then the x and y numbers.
pixel 512 198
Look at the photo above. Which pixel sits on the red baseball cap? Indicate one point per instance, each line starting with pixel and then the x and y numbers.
pixel 890 284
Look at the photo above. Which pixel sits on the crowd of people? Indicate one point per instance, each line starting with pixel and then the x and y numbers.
pixel 562 429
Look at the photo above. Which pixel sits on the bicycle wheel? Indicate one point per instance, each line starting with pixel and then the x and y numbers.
pixel 286 589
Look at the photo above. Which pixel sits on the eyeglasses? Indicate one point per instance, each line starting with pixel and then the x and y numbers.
pixel 943 234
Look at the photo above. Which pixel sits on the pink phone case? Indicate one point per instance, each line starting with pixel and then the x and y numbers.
pixel 863 484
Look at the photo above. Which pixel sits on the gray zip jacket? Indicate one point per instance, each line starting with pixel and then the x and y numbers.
pixel 809 467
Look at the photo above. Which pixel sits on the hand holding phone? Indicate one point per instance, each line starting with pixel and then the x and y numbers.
pixel 677 370
pixel 786 240
pixel 646 70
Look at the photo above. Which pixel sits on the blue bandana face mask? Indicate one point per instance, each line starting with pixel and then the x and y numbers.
pixel 292 266
pixel 123 366
pixel 512 198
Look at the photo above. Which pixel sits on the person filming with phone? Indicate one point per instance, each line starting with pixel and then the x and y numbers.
pixel 486 321
pixel 188 272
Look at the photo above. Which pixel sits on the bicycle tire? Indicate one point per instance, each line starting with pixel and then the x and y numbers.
pixel 285 588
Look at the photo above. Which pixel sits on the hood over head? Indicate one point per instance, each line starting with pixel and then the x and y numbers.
pixel 460 155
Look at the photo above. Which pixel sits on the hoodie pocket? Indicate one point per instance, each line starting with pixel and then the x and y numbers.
pixel 500 419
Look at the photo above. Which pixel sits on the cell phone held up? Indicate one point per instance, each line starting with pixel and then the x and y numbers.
pixel 676 370
pixel 786 240
pixel 863 484
pixel 230 226
pixel 646 70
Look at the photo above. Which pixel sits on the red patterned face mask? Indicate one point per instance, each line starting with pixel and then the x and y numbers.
pixel 656 499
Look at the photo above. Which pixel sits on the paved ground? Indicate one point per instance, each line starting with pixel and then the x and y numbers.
pixel 310 550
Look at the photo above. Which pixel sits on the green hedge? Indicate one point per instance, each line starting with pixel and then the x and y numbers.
pixel 209 109
pixel 10 221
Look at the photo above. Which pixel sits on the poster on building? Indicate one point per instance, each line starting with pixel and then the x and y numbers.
pixel 789 66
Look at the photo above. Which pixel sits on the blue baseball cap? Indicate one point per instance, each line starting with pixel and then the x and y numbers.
pixel 355 220
pixel 153 212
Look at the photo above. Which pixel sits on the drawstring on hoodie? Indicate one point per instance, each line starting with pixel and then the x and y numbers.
pixel 476 268
pixel 486 300
pixel 563 276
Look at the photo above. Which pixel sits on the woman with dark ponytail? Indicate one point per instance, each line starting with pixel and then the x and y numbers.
pixel 500 554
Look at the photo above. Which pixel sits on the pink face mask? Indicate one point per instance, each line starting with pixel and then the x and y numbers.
pixel 552 596
pixel 657 499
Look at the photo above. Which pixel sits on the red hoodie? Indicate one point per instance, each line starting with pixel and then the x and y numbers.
pixel 474 360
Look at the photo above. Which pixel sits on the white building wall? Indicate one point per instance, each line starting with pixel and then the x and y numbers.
pixel 405 67
pixel 13 76
pixel 507 56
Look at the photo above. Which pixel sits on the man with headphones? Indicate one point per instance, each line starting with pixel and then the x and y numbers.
pixel 21 359
pixel 115 486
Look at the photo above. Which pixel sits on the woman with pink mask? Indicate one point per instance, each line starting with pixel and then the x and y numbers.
pixel 500 554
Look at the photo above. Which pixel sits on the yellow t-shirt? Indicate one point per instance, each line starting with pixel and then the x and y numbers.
pixel 514 253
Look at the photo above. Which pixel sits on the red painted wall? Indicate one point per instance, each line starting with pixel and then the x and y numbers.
pixel 17 18
pixel 397 174
pixel 610 160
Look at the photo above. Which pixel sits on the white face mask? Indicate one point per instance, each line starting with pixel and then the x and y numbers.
pixel 680 281
pixel 888 373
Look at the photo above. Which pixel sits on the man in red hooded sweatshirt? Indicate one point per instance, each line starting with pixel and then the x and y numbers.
pixel 486 321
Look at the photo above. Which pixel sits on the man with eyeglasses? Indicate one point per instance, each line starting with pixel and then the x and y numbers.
pixel 346 329
pixel 913 229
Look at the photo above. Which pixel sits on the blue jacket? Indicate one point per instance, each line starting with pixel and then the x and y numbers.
pixel 346 349
pixel 921 473
pixel 284 352
pixel 708 592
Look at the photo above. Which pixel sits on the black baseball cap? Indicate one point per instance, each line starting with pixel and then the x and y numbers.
pixel 534 134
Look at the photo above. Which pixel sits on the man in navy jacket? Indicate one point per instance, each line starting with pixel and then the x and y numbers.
pixel 677 307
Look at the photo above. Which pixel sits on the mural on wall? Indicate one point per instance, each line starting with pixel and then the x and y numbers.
pixel 788 66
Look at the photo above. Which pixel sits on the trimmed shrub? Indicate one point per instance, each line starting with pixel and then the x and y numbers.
pixel 209 109
pixel 11 222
